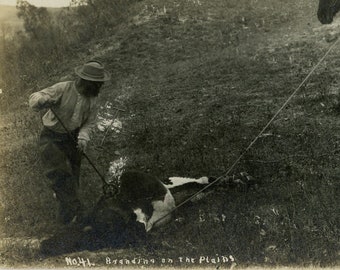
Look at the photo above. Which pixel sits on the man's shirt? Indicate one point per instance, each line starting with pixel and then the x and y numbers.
pixel 74 109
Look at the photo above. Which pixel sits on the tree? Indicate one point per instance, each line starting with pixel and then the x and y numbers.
pixel 36 20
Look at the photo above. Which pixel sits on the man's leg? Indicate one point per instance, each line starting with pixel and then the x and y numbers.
pixel 74 156
pixel 65 189
pixel 59 171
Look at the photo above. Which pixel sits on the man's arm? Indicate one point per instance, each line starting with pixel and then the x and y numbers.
pixel 45 98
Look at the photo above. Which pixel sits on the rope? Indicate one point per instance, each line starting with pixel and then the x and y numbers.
pixel 256 138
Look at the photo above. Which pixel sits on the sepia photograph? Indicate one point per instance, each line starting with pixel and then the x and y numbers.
pixel 172 134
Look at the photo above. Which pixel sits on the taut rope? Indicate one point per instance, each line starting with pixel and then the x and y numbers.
pixel 257 137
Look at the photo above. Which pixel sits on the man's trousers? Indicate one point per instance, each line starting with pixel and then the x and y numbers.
pixel 61 164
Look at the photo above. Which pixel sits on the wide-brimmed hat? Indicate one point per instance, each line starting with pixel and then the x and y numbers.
pixel 92 71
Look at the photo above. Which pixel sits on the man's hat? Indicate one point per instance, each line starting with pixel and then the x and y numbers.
pixel 92 71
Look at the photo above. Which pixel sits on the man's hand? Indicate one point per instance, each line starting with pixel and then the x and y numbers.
pixel 82 145
pixel 44 103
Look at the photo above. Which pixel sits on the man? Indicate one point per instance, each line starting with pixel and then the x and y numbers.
pixel 67 130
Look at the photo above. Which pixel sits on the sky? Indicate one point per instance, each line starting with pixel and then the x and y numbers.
pixel 39 3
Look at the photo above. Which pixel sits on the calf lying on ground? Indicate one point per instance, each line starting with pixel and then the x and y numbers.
pixel 143 202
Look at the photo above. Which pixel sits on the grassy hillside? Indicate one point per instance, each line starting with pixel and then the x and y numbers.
pixel 193 83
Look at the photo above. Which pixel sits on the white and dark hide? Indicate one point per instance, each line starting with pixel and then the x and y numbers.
pixel 142 203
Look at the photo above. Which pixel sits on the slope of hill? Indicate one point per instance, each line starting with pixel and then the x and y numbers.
pixel 193 83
